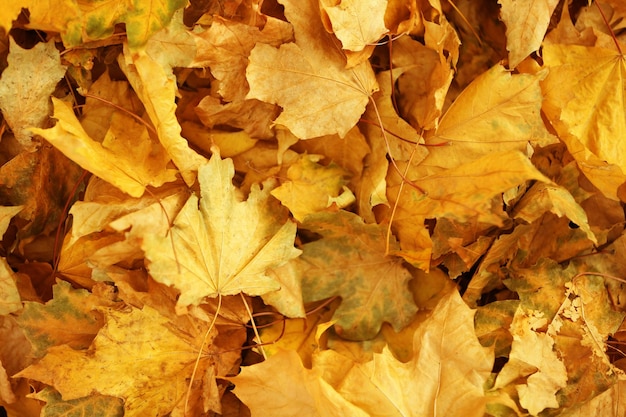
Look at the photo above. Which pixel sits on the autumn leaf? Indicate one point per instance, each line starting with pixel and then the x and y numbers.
pixel 587 123
pixel 461 193
pixel 356 24
pixel 526 24
pixel 33 87
pixel 70 318
pixel 9 293
pixel 111 159
pixel 94 404
pixel 300 390
pixel 308 78
pixel 498 112
pixel 423 214
pixel 159 100
pixel 373 286
pixel 313 187
pixel 156 362
pixel 202 256
pixel 532 356
pixel 447 337
pixel 544 197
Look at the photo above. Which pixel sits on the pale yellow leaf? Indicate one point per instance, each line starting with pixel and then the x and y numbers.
pixel 221 245
pixel 526 24
pixel 308 79
pixel 294 391
pixel 156 88
pixel 130 171
pixel 26 85
pixel 356 23
pixel 532 356
pixel 312 187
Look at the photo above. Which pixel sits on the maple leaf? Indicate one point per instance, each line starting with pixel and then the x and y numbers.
pixel 356 24
pixel 312 188
pixel 350 261
pixel 26 85
pixel 297 391
pixel 447 337
pixel 100 405
pixel 526 24
pixel 110 160
pixel 210 259
pixel 69 318
pixel 584 97
pixel 308 78
pixel 543 197
pixel 225 48
pixel 497 112
pixel 9 294
pixel 156 363
pixel 532 355
pixel 461 193
pixel 159 100
pixel 447 359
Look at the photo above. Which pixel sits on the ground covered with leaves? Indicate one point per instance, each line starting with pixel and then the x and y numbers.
pixel 312 208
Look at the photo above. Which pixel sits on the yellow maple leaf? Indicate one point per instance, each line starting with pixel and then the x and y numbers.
pixel 136 356
pixel 497 112
pixel 130 171
pixel 532 355
pixel 159 99
pixel 461 193
pixel 550 197
pixel 448 360
pixel 293 391
pixel 225 47
pixel 308 79
pixel 356 23
pixel 26 85
pixel 313 187
pixel 224 246
pixel 526 24
pixel 584 101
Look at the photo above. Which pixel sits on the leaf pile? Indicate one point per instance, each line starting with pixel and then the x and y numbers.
pixel 312 208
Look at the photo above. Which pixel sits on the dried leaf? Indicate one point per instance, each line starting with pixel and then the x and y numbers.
pixel 308 79
pixel 350 261
pixel 202 255
pixel 129 171
pixel 25 87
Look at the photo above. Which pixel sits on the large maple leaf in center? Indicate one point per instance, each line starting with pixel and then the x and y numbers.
pixel 223 245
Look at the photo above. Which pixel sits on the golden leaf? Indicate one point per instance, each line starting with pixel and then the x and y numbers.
pixel 221 245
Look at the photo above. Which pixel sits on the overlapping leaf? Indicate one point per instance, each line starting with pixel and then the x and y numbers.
pixel 350 261
pixel 221 245
pixel 308 78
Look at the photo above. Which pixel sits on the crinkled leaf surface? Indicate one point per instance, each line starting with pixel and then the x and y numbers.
pixel 313 187
pixel 223 245
pixel 155 363
pixel 532 355
pixel 349 260
pixel 308 78
pixel 131 172
pixel 357 24
pixel 26 85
